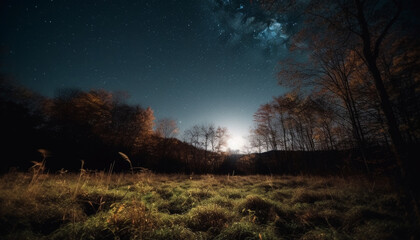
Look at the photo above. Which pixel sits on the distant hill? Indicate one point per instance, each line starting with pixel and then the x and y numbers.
pixel 311 162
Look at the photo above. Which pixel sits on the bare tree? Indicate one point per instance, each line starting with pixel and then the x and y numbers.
pixel 221 138
pixel 363 26
pixel 166 128
pixel 256 141
pixel 266 125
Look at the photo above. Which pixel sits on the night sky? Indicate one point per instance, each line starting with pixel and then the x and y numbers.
pixel 197 61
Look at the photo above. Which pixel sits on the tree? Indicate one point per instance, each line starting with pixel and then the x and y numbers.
pixel 256 141
pixel 267 125
pixel 145 122
pixel 208 142
pixel 363 26
pixel 220 141
pixel 166 147
pixel 192 136
pixel 193 156
pixel 166 128
pixel 95 123
pixel 22 117
pixel 207 134
pixel 402 76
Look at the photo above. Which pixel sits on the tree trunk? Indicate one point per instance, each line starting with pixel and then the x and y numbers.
pixel 404 161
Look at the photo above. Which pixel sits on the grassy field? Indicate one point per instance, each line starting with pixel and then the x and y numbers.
pixel 151 206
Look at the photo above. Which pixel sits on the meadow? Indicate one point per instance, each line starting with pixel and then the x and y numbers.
pixel 104 205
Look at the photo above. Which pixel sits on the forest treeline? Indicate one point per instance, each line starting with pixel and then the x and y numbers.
pixel 99 127
pixel 354 79
pixel 354 87
pixel 354 83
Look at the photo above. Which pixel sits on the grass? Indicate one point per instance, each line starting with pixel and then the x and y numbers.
pixel 102 205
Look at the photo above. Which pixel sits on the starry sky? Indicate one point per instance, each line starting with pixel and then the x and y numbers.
pixel 195 61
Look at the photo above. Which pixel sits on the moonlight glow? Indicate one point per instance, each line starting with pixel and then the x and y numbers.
pixel 193 61
pixel 236 143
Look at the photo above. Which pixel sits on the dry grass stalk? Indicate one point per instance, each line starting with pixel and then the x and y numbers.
pixel 38 168
pixel 126 158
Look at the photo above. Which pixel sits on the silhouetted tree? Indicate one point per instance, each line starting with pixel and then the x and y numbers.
pixel 95 125
pixel 21 124
pixel 208 142
pixel 166 128
pixel 256 141
pixel 220 139
pixel 267 125
pixel 364 26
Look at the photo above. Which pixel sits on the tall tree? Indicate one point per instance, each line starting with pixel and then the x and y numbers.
pixel 266 125
pixel 364 26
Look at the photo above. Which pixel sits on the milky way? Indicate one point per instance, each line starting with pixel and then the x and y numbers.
pixel 194 61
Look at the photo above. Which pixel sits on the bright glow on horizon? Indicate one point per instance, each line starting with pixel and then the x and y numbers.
pixel 236 143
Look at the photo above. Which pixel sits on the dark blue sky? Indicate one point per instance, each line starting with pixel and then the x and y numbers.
pixel 198 61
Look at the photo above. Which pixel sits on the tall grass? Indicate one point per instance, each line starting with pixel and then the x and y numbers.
pixel 37 169
pixel 107 205
pixel 127 159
